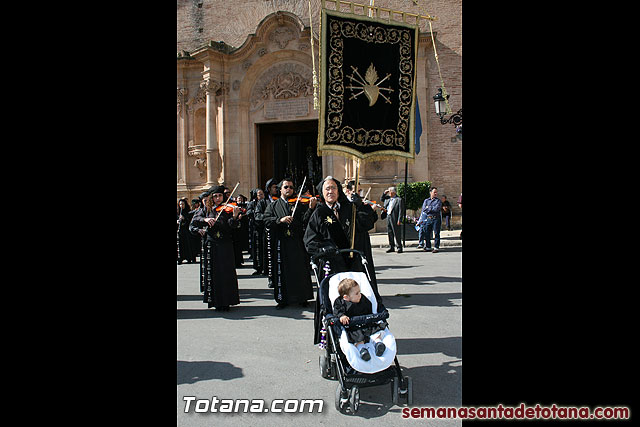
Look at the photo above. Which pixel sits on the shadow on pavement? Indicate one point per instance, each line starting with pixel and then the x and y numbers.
pixel 428 280
pixel 400 301
pixel 191 372
pixel 249 312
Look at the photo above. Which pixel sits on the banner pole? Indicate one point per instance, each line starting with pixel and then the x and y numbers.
pixel 404 220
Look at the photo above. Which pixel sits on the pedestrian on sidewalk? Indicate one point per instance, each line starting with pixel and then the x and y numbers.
pixel 395 212
pixel 432 209
pixel 446 212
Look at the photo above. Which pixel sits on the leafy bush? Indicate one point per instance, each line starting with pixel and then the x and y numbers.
pixel 416 193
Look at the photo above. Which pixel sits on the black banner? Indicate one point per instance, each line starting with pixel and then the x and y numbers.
pixel 367 98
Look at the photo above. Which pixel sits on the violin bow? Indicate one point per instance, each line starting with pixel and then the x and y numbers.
pixel 228 200
pixel 299 194
pixel 366 196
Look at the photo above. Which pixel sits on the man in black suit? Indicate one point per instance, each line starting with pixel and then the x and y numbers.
pixel 395 212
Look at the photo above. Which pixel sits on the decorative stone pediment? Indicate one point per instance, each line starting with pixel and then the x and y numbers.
pixel 282 36
pixel 282 81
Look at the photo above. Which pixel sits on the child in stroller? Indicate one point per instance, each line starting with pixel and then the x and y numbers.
pixel 341 359
pixel 352 303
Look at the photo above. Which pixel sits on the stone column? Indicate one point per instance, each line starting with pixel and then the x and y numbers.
pixel 182 138
pixel 211 136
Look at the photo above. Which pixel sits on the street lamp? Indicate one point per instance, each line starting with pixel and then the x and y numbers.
pixel 441 111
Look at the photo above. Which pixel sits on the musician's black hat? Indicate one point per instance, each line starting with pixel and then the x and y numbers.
pixel 269 184
pixel 217 189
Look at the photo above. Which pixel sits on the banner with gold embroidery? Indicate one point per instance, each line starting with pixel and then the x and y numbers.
pixel 367 92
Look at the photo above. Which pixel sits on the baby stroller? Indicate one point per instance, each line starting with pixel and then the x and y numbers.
pixel 340 359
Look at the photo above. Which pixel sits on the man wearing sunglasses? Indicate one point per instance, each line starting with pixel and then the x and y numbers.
pixel 287 258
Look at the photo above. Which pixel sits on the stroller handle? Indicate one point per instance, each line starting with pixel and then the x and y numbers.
pixel 323 254
pixel 365 319
pixel 368 319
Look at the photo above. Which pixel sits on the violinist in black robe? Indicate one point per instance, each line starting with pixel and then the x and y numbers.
pixel 197 232
pixel 272 193
pixel 330 227
pixel 235 232
pixel 220 279
pixel 196 239
pixel 243 231
pixel 187 249
pixel 289 269
pixel 256 227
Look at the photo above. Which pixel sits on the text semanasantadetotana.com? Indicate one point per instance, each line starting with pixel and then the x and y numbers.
pixel 520 412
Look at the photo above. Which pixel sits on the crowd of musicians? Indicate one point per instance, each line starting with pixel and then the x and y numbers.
pixel 281 227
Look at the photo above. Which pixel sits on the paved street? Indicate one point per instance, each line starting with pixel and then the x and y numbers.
pixel 257 352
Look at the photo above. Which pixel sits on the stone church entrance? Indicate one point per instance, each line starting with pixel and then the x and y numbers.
pixel 289 149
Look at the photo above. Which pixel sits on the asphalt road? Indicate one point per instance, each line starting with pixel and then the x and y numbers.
pixel 257 352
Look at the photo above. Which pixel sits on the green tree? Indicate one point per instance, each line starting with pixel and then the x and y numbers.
pixel 416 193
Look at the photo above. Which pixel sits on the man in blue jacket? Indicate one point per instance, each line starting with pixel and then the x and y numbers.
pixel 431 212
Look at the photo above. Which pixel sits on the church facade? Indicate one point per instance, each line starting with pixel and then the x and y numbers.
pixel 245 107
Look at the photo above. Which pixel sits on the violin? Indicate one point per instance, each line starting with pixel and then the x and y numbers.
pixel 374 204
pixel 229 208
pixel 303 199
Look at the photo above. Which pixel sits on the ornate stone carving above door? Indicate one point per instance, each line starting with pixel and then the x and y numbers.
pixel 282 81
pixel 282 36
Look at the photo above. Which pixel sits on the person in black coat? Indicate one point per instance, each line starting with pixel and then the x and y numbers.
pixel 271 194
pixel 255 212
pixel 330 228
pixel 289 270
pixel 187 250
pixel 219 276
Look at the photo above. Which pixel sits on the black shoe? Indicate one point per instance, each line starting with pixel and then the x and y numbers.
pixel 380 348
pixel 391 250
pixel 364 353
pixel 399 250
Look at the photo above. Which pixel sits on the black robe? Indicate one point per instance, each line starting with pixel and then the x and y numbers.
pixel 187 248
pixel 217 267
pixel 324 230
pixel 243 231
pixel 262 264
pixel 288 261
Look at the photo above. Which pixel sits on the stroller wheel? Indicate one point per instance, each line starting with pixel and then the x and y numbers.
pixel 341 398
pixel 354 399
pixel 395 386
pixel 409 391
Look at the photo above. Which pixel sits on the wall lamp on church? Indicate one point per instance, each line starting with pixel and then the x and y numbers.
pixel 441 110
